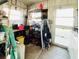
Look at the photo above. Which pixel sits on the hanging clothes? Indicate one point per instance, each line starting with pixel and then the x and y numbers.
pixel 27 34
pixel 46 34
pixel 11 43
pixel 37 34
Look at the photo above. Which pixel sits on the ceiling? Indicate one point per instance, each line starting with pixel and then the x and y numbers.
pixel 23 3
pixel 29 2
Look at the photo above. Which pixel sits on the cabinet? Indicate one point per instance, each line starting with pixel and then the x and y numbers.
pixel 21 51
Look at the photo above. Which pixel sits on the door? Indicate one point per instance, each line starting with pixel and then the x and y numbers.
pixel 64 26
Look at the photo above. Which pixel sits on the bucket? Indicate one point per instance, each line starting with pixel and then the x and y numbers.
pixel 20 39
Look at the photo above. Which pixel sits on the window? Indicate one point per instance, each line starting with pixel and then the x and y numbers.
pixel 64 17
pixel 16 16
pixel 36 15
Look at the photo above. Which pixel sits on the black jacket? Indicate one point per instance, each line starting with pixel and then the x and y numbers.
pixel 46 31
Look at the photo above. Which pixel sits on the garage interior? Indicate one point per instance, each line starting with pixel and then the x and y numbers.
pixel 61 17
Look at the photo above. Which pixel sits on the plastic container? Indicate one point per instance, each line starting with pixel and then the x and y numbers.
pixel 20 39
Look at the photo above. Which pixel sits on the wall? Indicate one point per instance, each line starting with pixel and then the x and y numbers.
pixel 52 6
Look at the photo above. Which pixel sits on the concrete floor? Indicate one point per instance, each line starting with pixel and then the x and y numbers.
pixel 68 38
pixel 55 53
pixel 34 52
